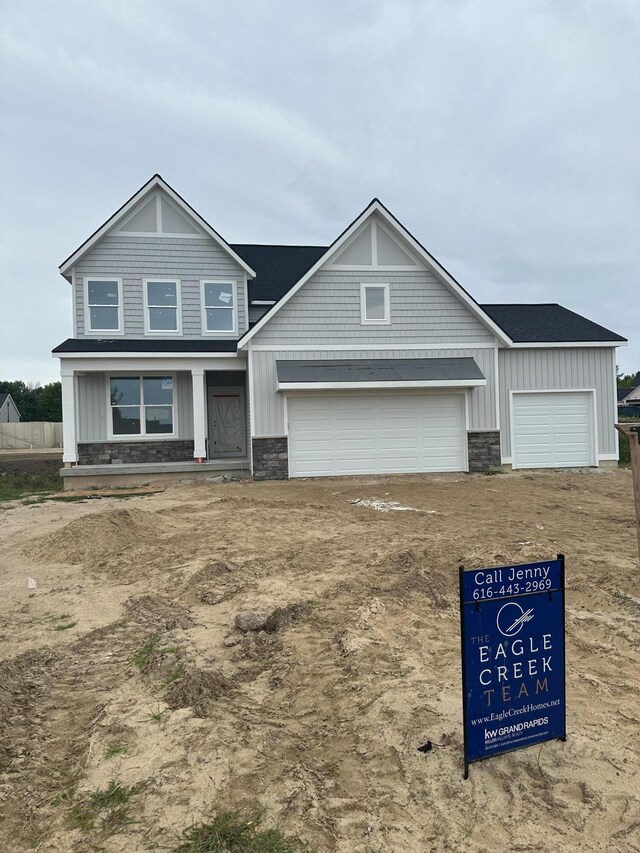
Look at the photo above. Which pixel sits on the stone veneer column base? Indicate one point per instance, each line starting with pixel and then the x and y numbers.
pixel 105 452
pixel 270 458
pixel 484 450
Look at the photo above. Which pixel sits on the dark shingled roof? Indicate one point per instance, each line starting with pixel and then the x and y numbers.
pixel 82 345
pixel 3 397
pixel 378 370
pixel 550 323
pixel 277 268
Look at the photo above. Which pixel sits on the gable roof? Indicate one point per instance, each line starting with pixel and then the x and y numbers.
pixel 376 206
pixel 156 182
pixel 549 323
pixel 4 396
pixel 277 268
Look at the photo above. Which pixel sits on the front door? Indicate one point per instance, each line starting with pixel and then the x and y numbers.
pixel 227 422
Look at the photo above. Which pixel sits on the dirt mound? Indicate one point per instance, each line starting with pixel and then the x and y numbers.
pixel 213 583
pixel 102 534
pixel 198 689
pixel 158 612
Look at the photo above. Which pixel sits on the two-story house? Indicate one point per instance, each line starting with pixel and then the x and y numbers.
pixel 192 356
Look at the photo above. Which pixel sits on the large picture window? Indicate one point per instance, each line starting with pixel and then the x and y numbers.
pixel 103 304
pixel 219 306
pixel 141 405
pixel 162 306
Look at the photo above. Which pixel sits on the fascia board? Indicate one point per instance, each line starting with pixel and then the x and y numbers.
pixel 156 182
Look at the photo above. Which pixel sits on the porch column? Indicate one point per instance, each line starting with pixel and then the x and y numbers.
pixel 199 415
pixel 69 435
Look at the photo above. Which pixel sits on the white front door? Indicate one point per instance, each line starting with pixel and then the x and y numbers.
pixel 375 433
pixel 553 429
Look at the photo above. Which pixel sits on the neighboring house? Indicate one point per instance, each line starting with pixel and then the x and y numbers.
pixel 630 396
pixel 9 413
pixel 191 355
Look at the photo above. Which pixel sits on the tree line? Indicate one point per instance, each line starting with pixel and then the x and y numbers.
pixel 35 402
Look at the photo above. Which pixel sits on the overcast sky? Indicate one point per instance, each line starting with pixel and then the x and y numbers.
pixel 504 134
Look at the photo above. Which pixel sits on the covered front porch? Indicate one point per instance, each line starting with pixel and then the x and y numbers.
pixel 153 418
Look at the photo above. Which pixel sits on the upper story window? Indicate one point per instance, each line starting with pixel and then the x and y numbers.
pixel 103 305
pixel 374 304
pixel 162 306
pixel 219 309
pixel 141 405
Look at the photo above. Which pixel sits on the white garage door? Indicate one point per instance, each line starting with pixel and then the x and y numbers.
pixel 375 434
pixel 553 430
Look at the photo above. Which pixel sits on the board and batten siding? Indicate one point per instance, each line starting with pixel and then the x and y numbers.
pixel 268 403
pixel 556 369
pixel 135 258
pixel 92 395
pixel 326 311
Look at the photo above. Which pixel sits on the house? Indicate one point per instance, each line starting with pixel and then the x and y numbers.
pixel 630 396
pixel 9 413
pixel 193 356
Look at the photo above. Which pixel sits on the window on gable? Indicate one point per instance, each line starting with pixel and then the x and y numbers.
pixel 141 405
pixel 374 304
pixel 103 305
pixel 162 306
pixel 219 306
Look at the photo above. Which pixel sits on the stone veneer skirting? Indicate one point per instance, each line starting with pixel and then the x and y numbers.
pixel 105 452
pixel 484 450
pixel 270 458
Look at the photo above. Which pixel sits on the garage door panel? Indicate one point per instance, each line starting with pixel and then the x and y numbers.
pixel 553 429
pixel 381 433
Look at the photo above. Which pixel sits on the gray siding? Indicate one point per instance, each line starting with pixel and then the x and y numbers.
pixel 268 403
pixel 326 310
pixel 135 258
pixel 8 412
pixel 92 406
pixel 538 369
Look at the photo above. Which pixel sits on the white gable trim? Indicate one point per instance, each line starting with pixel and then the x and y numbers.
pixel 156 182
pixel 420 251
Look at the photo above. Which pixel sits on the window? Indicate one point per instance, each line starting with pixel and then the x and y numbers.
pixel 374 304
pixel 141 405
pixel 162 306
pixel 103 304
pixel 219 306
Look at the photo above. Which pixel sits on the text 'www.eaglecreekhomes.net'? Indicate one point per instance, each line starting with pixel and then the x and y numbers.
pixel 512 712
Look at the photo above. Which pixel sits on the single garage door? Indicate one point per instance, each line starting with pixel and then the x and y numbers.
pixel 553 430
pixel 385 433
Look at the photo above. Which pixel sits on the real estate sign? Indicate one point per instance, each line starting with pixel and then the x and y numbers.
pixel 513 664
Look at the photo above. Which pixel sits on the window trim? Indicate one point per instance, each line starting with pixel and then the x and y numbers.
pixel 177 332
pixel 87 312
pixel 386 321
pixel 142 436
pixel 228 333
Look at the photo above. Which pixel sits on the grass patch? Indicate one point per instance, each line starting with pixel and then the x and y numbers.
pixel 142 657
pixel 236 832
pixel 106 809
pixel 160 717
pixel 64 626
pixel 491 472
pixel 15 485
pixel 115 749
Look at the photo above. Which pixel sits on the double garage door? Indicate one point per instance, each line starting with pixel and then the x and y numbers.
pixel 385 433
pixel 553 429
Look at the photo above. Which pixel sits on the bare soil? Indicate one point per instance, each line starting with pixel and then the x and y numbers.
pixel 127 643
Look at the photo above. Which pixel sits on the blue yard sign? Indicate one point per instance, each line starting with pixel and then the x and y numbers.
pixel 513 681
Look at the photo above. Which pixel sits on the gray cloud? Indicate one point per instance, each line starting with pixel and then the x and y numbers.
pixel 504 135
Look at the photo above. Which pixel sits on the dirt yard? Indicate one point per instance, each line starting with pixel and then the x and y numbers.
pixel 123 665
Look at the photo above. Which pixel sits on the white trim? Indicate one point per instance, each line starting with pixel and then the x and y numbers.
pixel 358 347
pixel 496 364
pixel 380 385
pixel 568 344
pixel 142 435
pixel 431 263
pixel 375 265
pixel 216 333
pixel 263 302
pixel 177 332
pixel 245 325
pixel 386 320
pixel 252 394
pixel 592 391
pixel 154 183
pixel 87 313
pixel 616 436
pixel 164 363
pixel 74 301
pixel 285 413
pixel 69 416
pixel 138 355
